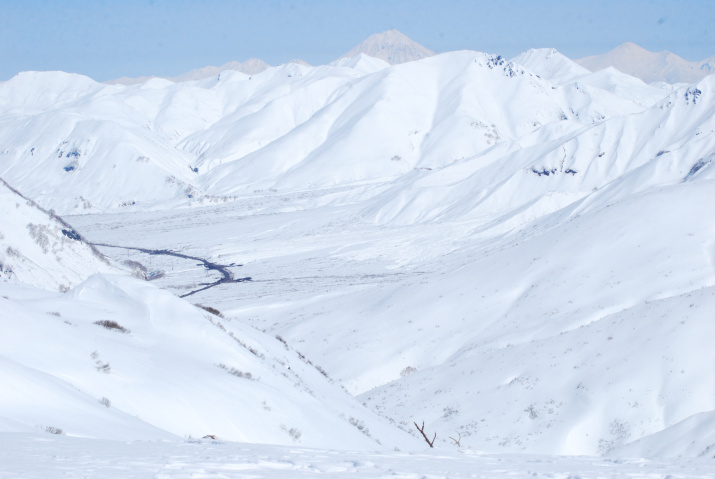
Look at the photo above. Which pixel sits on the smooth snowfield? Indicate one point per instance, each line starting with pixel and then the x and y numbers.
pixel 34 456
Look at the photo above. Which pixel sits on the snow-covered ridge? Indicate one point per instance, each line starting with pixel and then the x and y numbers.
pixel 40 249
pixel 291 127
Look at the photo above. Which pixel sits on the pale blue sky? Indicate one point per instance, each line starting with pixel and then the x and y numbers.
pixel 106 39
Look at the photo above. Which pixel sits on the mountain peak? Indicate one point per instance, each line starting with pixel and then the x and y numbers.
pixel 646 65
pixel 252 66
pixel 392 46
pixel 549 63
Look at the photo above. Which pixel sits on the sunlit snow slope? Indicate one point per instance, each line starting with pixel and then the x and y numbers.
pixel 39 249
pixel 291 127
pixel 117 358
pixel 518 253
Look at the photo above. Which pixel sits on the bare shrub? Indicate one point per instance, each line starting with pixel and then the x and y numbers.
pixel 155 275
pixel 103 367
pixel 407 370
pixel 105 402
pixel 293 432
pixel 134 265
pixel 458 440
pixel 219 325
pixel 54 430
pixel 422 431
pixel 360 425
pixel 39 234
pixel 109 324
pixel 100 366
pixel 235 372
pixel 209 309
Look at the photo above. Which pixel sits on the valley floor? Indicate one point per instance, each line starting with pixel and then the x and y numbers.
pixel 44 456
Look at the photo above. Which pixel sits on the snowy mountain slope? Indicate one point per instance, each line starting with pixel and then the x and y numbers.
pixel 39 249
pixel 551 65
pixel 546 282
pixel 648 66
pixel 691 437
pixel 573 332
pixel 290 127
pixel 162 368
pixel 548 175
pixel 522 259
pixel 362 63
pixel 251 66
pixel 391 46
pixel 707 66
pixel 546 340
pixel 555 67
pixel 421 115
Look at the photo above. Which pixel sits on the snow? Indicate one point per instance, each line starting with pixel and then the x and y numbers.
pixel 168 369
pixel 37 249
pixel 162 144
pixel 550 64
pixel 34 456
pixel 518 253
pixel 251 66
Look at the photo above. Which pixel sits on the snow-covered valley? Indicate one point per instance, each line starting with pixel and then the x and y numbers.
pixel 517 253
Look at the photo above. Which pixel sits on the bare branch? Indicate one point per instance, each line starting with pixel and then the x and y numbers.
pixel 456 441
pixel 422 431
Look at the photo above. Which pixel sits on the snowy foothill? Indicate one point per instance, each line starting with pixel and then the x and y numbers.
pixel 282 272
pixel 117 358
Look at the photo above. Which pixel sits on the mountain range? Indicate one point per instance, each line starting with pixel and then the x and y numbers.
pixel 515 255
pixel 391 46
pixel 649 66
pixel 394 47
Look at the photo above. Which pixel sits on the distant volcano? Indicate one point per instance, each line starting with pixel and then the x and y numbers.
pixel 392 46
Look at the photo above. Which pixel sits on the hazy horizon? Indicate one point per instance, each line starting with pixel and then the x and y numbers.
pixel 157 37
